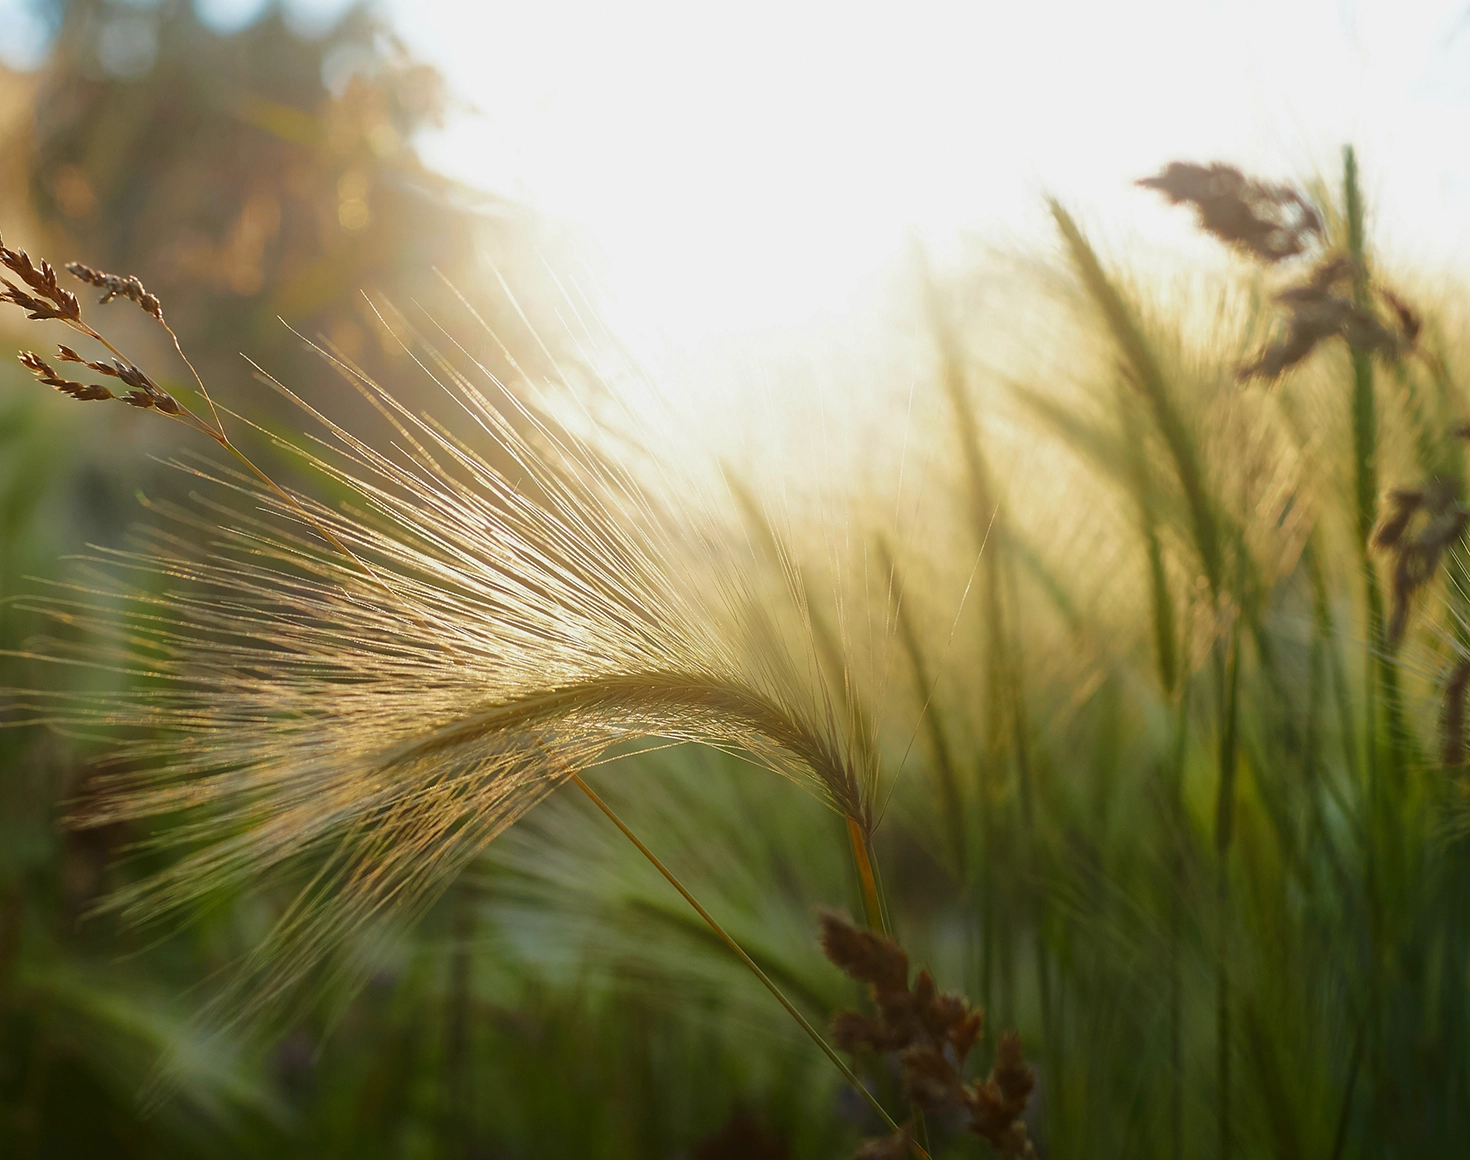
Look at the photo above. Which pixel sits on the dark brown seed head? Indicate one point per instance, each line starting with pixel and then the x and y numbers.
pixel 1011 1074
pixel 36 308
pixel 1298 339
pixel 929 1079
pixel 1409 321
pixel 932 1032
pixel 48 299
pixel 145 392
pixel 1453 720
pixel 1330 271
pixel 1315 312
pixel 133 376
pixel 853 1032
pixel 118 286
pixel 865 956
pixel 1421 526
pixel 996 1105
pixel 1264 221
pixel 83 392
pixel 1403 502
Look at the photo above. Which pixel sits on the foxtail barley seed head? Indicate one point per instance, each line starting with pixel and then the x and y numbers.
pixel 510 604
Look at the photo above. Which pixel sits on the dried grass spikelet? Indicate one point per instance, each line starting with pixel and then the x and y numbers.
pixel 503 616
pixel 46 299
pixel 145 392
pixel 1452 716
pixel 1265 221
pixel 1321 307
pixel 82 392
pixel 118 286
pixel 1422 523
pixel 1273 222
pixel 933 1034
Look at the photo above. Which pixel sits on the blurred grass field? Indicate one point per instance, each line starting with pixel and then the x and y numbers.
pixel 1159 790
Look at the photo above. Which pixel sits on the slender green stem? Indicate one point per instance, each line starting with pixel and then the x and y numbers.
pixel 1176 924
pixel 456 1126
pixel 945 768
pixel 1381 674
pixel 1365 447
pixel 1380 671
pixel 1345 1113
pixel 1229 673
pixel 739 952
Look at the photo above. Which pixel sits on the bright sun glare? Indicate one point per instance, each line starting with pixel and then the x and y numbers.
pixel 755 167
pixel 742 168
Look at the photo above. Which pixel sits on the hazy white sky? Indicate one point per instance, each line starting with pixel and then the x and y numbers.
pixel 747 162
pixel 745 165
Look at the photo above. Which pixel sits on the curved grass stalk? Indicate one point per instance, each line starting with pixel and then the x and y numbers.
pixel 629 696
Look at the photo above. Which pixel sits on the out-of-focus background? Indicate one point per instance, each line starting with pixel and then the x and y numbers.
pixel 816 239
